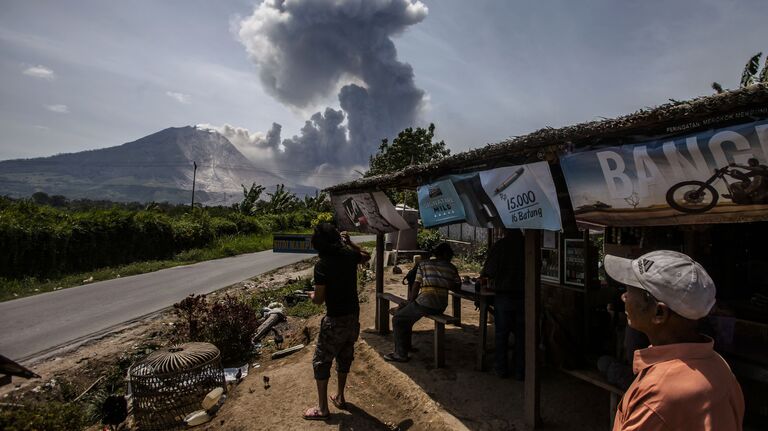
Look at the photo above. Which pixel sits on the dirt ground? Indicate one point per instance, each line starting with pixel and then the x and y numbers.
pixel 381 395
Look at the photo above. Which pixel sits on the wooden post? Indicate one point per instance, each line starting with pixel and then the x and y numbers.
pixel 382 316
pixel 532 312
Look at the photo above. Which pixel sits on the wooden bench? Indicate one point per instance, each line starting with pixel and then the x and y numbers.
pixel 597 379
pixel 440 321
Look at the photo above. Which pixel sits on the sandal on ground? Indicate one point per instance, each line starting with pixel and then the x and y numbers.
pixel 313 414
pixel 392 357
pixel 335 402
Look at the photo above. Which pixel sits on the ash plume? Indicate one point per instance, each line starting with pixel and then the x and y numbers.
pixel 307 49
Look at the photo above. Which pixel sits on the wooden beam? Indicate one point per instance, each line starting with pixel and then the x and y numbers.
pixel 531 399
pixel 382 316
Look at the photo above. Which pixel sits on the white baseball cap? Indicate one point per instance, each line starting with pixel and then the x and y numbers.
pixel 671 277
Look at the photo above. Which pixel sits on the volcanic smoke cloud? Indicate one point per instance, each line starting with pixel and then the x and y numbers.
pixel 305 49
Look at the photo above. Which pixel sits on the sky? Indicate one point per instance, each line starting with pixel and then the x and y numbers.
pixel 304 82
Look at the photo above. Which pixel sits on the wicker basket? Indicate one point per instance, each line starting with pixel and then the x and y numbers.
pixel 171 382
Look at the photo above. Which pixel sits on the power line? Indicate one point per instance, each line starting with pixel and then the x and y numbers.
pixel 184 164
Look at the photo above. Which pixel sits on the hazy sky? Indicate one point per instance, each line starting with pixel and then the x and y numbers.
pixel 78 75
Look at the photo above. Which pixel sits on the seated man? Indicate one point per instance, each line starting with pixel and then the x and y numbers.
pixel 753 185
pixel 429 295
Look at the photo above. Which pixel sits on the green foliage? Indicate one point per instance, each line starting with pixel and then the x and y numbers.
pixel 323 217
pixel 250 197
pixel 320 202
pixel 409 147
pixel 303 309
pixel 427 239
pixel 280 201
pixel 49 416
pixel 764 74
pixel 750 70
pixel 228 323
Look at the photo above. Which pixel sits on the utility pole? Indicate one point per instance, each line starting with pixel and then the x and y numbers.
pixel 194 174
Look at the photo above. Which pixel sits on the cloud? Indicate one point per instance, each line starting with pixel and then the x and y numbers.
pixel 305 49
pixel 42 128
pixel 41 72
pixel 264 150
pixel 179 97
pixel 59 109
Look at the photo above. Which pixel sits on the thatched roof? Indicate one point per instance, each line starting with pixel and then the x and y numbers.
pixel 669 119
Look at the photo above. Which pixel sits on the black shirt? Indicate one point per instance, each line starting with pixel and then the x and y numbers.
pixel 337 271
pixel 505 265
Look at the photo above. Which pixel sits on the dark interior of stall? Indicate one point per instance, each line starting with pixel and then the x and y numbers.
pixel 583 324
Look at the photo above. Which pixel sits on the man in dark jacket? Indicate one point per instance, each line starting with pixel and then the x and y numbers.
pixel 336 286
pixel 504 269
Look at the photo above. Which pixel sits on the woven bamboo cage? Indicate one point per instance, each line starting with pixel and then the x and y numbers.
pixel 171 382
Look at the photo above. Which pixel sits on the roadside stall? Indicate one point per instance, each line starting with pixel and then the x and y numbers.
pixel 658 178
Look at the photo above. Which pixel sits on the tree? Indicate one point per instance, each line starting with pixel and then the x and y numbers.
pixel 319 202
pixel 250 196
pixel 409 147
pixel 749 75
pixel 280 201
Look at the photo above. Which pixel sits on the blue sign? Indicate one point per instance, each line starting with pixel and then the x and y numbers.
pixel 439 204
pixel 522 197
pixel 292 243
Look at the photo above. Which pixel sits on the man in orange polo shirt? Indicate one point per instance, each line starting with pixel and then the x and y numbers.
pixel 682 383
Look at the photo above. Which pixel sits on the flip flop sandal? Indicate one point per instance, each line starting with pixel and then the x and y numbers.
pixel 315 415
pixel 335 402
pixel 391 357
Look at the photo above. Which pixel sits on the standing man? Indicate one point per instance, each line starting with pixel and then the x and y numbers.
pixel 681 383
pixel 506 269
pixel 429 295
pixel 336 286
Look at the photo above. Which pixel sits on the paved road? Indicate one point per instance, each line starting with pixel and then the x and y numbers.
pixel 38 324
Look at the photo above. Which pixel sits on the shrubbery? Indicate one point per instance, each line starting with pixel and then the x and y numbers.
pixel 42 241
pixel 229 324
pixel 427 239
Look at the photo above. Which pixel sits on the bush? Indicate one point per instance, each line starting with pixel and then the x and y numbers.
pixel 229 324
pixel 427 239
pixel 324 217
pixel 49 416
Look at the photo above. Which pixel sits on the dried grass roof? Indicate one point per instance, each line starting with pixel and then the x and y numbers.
pixel 668 119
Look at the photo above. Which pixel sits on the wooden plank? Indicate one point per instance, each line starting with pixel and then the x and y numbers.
pixel 532 390
pixel 382 319
pixel 391 297
pixel 456 301
pixel 594 378
pixel 480 361
pixel 439 344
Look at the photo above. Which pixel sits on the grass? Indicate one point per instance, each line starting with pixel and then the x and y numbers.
pixel 222 247
pixel 302 309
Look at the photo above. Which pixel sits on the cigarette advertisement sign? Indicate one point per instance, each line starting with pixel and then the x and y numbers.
pixel 367 212
pixel 520 196
pixel 717 176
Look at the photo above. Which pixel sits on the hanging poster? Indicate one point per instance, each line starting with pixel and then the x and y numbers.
pixel 717 176
pixel 367 212
pixel 520 196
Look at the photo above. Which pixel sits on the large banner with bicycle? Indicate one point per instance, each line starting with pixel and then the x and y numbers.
pixel 717 176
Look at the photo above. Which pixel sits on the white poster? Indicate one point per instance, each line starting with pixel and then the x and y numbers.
pixel 367 212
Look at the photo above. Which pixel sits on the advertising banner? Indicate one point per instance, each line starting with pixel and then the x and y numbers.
pixel 520 196
pixel 292 243
pixel 367 212
pixel 717 176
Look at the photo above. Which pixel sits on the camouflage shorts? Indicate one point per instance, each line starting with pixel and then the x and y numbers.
pixel 336 341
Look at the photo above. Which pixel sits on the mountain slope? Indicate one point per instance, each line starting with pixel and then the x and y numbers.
pixel 157 167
